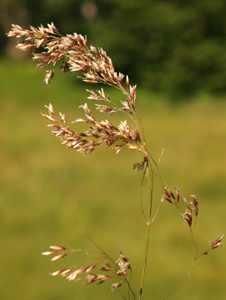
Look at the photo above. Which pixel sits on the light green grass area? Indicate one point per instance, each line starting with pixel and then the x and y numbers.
pixel 49 195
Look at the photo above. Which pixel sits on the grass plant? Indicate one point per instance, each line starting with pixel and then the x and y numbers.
pixel 96 67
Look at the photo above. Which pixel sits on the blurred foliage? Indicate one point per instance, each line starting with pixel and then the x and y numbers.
pixel 173 46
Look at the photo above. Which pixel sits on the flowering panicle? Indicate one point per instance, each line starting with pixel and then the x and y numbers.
pixel 216 243
pixel 190 213
pixel 94 66
pixel 118 271
pixel 191 208
pixel 98 133
pixel 140 166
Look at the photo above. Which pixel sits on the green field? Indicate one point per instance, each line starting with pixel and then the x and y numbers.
pixel 49 195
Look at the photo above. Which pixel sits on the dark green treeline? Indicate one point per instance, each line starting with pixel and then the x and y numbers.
pixel 174 46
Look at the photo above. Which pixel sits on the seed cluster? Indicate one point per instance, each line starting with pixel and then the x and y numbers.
pixel 192 208
pixel 107 269
pixel 98 133
pixel 93 66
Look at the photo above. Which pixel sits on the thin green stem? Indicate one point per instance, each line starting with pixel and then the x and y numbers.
pixel 194 254
pixel 183 281
pixel 150 191
pixel 145 260
pixel 141 197
pixel 106 255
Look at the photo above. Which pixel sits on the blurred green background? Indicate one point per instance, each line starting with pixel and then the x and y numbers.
pixel 175 51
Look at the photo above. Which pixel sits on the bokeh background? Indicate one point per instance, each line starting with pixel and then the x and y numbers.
pixel 176 52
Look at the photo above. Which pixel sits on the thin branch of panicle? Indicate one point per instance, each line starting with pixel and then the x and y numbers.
pixel 118 271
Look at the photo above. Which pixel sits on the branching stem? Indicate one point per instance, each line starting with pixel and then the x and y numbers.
pixel 150 179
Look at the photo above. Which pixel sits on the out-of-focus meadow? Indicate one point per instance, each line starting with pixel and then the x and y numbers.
pixel 48 194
